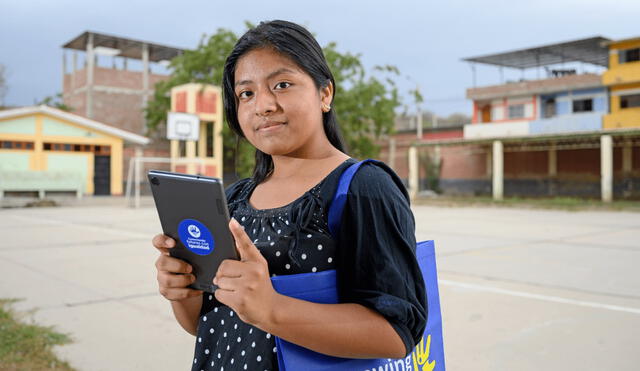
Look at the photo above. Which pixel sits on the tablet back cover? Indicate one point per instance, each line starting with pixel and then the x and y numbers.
pixel 193 211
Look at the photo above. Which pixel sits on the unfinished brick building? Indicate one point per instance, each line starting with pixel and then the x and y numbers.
pixel 113 82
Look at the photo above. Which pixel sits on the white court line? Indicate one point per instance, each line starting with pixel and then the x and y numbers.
pixel 114 231
pixel 554 299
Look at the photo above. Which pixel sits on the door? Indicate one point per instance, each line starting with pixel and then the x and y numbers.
pixel 102 175
pixel 486 113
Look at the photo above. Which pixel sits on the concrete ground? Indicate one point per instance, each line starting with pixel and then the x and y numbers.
pixel 520 289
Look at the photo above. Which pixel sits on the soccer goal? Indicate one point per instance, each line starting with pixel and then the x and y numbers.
pixel 136 176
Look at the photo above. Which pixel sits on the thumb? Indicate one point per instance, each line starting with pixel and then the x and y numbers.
pixel 247 250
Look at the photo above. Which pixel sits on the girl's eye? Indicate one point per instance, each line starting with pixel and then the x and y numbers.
pixel 245 94
pixel 282 85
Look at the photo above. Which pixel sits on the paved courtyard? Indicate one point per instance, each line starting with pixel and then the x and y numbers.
pixel 520 289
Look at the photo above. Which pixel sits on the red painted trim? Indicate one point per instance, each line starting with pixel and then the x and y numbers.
pixel 505 108
pixel 474 120
pixel 535 106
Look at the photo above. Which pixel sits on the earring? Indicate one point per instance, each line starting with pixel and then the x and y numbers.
pixel 326 108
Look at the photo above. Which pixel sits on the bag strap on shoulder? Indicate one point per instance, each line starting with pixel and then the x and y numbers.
pixel 340 197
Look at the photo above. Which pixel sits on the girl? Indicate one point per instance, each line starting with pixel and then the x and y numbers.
pixel 278 92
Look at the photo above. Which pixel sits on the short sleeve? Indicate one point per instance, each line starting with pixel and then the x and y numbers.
pixel 234 193
pixel 376 262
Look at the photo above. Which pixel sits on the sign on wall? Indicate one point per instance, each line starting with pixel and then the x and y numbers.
pixel 183 126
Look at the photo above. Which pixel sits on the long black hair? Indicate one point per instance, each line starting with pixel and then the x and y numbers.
pixel 296 43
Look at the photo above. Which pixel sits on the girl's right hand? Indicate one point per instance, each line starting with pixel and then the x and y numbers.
pixel 174 275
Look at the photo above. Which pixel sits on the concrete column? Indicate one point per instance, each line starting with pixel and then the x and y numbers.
pixel 606 167
pixel 191 155
pixel 64 63
pixel 145 73
pixel 217 146
pixel 90 65
pixel 414 174
pixel 627 156
pixel 498 170
pixel 175 149
pixel 553 161
pixel 74 67
pixel 489 163
pixel 392 153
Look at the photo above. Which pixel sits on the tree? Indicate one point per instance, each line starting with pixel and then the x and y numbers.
pixel 54 101
pixel 365 105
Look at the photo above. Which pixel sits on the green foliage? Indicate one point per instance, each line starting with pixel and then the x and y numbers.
pixel 26 346
pixel 55 101
pixel 365 105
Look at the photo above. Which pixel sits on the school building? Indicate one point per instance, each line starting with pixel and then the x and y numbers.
pixel 566 134
pixel 45 150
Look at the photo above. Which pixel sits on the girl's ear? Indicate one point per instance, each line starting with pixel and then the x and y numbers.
pixel 326 96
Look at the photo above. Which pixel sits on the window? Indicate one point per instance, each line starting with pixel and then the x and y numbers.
pixel 630 101
pixel 12 144
pixel 209 127
pixel 629 55
pixel 583 105
pixel 549 108
pixel 516 111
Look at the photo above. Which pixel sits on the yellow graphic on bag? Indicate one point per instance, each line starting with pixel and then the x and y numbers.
pixel 421 356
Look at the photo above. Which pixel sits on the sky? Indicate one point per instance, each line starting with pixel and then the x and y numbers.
pixel 426 40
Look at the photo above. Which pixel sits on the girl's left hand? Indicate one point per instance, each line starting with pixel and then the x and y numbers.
pixel 244 285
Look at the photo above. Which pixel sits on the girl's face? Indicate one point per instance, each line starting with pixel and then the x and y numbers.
pixel 279 106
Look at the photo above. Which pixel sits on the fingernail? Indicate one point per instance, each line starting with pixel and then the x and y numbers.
pixel 215 280
pixel 167 242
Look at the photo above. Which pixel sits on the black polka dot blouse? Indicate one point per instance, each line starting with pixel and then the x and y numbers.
pixel 295 239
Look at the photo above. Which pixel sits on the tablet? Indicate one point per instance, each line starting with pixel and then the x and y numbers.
pixel 193 211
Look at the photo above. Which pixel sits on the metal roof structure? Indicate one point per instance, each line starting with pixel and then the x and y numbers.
pixel 592 50
pixel 128 48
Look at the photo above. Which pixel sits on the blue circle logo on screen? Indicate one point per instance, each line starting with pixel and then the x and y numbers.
pixel 196 237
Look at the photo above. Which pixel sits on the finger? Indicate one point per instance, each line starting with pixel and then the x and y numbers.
pixel 225 297
pixel 226 283
pixel 163 243
pixel 247 250
pixel 173 265
pixel 179 294
pixel 230 268
pixel 171 280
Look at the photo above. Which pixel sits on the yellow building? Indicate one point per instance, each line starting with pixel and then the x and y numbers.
pixel 43 149
pixel 623 80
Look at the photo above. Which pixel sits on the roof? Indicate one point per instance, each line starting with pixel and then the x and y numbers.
pixel 593 50
pixel 82 121
pixel 556 84
pixel 623 42
pixel 129 48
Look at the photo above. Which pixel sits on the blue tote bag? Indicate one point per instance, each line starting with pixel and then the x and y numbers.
pixel 322 288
